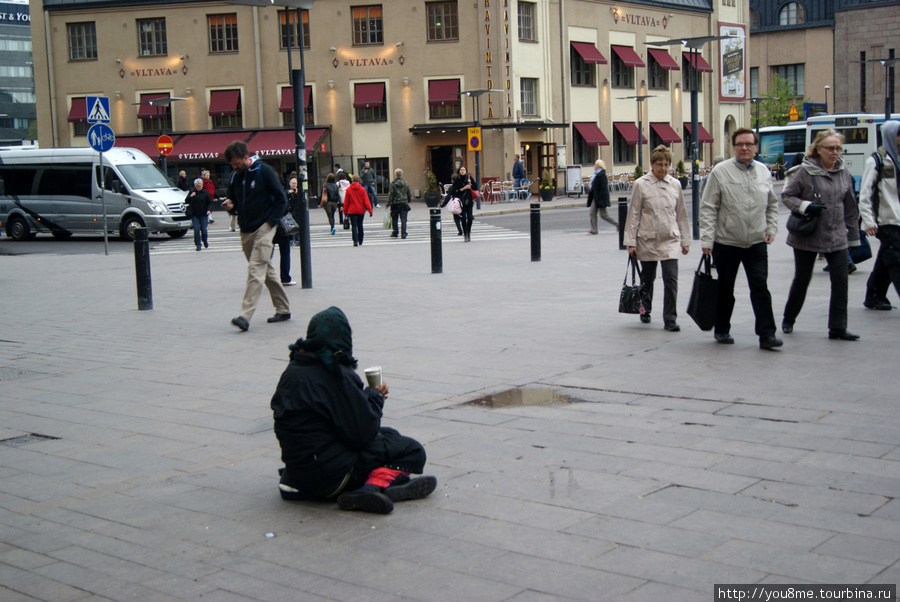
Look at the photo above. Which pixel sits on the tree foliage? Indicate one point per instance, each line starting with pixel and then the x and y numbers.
pixel 773 107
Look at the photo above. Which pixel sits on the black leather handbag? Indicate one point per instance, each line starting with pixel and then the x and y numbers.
pixel 801 224
pixel 632 295
pixel 703 306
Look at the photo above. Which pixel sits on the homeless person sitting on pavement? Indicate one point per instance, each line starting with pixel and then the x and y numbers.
pixel 329 428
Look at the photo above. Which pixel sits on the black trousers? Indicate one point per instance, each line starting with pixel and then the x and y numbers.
pixel 755 260
pixel 399 210
pixel 804 262
pixel 670 284
pixel 467 217
pixel 887 263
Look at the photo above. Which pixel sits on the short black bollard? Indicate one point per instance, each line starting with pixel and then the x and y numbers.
pixel 535 231
pixel 623 215
pixel 142 268
pixel 437 259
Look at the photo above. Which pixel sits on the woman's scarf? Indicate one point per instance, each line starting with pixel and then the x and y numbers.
pixel 328 339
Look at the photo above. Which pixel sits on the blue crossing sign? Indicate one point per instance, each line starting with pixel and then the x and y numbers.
pixel 97 109
pixel 101 137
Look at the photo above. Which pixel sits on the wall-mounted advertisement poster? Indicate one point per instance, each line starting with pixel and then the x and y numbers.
pixel 732 63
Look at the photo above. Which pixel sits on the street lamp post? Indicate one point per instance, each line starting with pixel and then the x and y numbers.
pixel 827 88
pixel 640 104
pixel 297 78
pixel 888 89
pixel 693 45
pixel 476 95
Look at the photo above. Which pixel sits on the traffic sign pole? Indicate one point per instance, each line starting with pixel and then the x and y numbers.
pixel 101 139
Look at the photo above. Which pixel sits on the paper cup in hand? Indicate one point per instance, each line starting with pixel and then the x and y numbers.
pixel 373 375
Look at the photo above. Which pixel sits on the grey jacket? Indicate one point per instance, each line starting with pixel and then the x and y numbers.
pixel 838 225
pixel 738 207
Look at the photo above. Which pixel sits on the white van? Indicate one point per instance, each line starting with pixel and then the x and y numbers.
pixel 58 191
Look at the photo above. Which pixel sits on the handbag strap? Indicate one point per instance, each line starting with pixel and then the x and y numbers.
pixel 815 180
pixel 635 271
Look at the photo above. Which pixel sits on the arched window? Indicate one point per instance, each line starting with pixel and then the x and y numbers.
pixel 791 14
pixel 754 19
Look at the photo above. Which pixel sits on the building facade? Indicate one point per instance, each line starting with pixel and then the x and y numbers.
pixel 17 99
pixel 552 80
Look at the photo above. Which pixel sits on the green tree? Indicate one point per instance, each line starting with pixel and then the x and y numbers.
pixel 774 106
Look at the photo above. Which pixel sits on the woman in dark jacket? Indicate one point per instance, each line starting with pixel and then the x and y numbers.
pixel 462 187
pixel 329 428
pixel 822 187
pixel 331 196
pixel 598 196
pixel 200 202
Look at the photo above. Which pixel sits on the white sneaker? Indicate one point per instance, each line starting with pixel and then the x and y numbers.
pixel 291 283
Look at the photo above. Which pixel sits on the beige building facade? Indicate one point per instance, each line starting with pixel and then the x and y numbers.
pixel 383 82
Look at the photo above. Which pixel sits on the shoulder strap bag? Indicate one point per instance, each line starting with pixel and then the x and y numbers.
pixel 803 225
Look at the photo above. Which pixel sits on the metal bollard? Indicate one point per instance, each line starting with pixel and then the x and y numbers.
pixel 535 231
pixel 142 268
pixel 437 259
pixel 623 215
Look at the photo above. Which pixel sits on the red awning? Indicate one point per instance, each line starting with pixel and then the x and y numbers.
pixel 591 133
pixel 368 96
pixel 287 98
pixel 443 92
pixel 148 111
pixel 78 111
pixel 704 135
pixel 699 64
pixel 665 133
pixel 205 147
pixel 628 56
pixel 145 144
pixel 281 142
pixel 664 59
pixel 629 131
pixel 224 103
pixel 589 53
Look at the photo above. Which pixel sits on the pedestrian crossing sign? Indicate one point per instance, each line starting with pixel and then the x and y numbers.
pixel 98 109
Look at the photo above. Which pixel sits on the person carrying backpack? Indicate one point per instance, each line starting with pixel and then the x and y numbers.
pixel 398 201
pixel 879 208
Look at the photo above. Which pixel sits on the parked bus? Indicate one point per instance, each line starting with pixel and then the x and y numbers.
pixel 781 140
pixel 58 191
pixel 862 136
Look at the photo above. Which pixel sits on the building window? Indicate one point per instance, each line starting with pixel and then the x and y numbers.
pixel 226 109
pixel 529 87
pixel 791 14
pixel 443 21
pixel 370 102
pixel 691 75
pixel 793 74
pixel 657 77
pixel 754 19
pixel 153 117
pixel 582 71
pixel 622 151
pixel 368 27
pixel 754 82
pixel 621 74
pixel 287 106
pixel 152 37
pixel 223 33
pixel 584 153
pixel 82 41
pixel 526 21
pixel 288 24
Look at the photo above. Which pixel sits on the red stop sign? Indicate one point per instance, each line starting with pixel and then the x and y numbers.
pixel 164 145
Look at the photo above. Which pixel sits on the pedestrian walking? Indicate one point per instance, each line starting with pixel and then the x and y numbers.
pixel 330 199
pixel 200 202
pixel 598 197
pixel 398 200
pixel 356 203
pixel 256 193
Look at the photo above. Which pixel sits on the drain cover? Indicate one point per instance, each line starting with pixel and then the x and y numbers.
pixel 522 397
pixel 26 439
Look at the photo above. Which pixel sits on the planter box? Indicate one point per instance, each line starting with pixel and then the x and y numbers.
pixel 432 199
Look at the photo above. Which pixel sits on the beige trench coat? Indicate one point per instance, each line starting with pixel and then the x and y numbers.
pixel 657 222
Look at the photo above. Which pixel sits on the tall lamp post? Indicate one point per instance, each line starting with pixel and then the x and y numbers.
pixel 476 95
pixel 694 45
pixel 888 89
pixel 162 104
pixel 827 88
pixel 298 81
pixel 640 105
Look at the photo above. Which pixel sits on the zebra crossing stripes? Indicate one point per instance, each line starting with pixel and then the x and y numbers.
pixel 223 241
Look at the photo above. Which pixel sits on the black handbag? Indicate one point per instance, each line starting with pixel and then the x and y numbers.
pixel 704 296
pixel 188 213
pixel 804 225
pixel 632 295
pixel 287 225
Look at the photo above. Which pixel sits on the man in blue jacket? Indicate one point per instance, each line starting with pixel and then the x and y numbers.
pixel 255 192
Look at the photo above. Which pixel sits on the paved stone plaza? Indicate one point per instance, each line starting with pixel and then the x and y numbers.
pixel 677 464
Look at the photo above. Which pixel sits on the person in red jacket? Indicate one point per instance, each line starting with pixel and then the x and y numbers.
pixel 209 187
pixel 356 203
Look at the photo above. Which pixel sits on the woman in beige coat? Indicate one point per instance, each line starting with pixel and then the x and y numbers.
pixel 656 229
